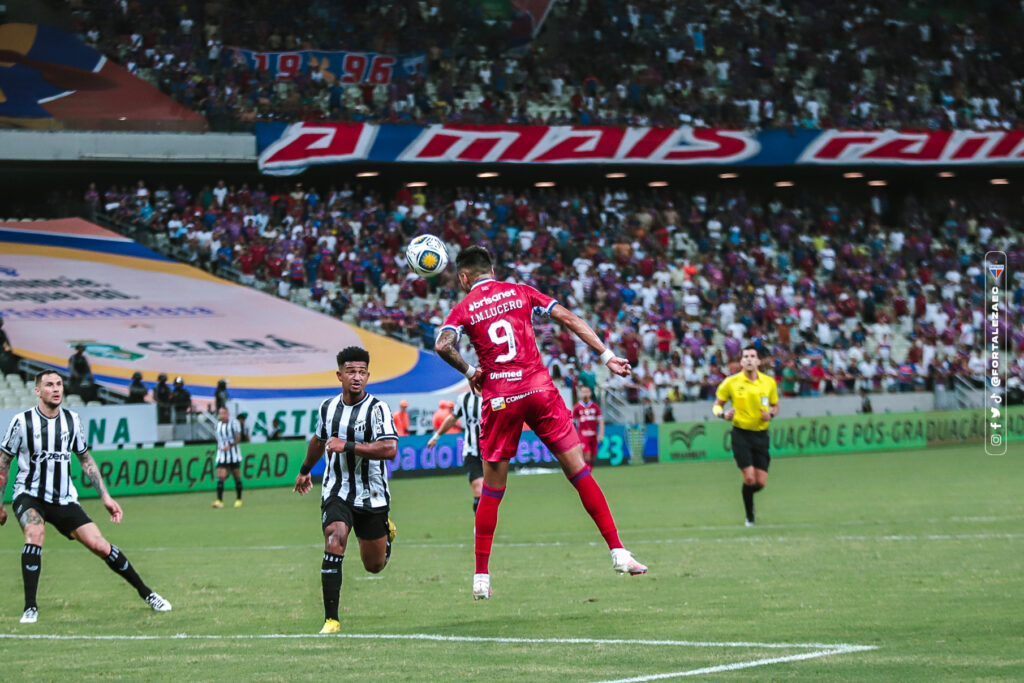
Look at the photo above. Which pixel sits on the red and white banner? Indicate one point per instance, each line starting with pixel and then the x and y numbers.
pixel 855 147
pixel 303 144
pixel 287 149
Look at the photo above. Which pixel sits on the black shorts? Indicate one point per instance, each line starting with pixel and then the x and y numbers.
pixel 66 518
pixel 474 467
pixel 369 525
pixel 750 448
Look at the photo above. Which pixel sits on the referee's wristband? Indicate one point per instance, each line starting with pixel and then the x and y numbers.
pixel 470 372
pixel 606 356
pixel 717 410
pixel 304 470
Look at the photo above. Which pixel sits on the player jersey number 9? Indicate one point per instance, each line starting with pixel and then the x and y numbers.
pixel 501 332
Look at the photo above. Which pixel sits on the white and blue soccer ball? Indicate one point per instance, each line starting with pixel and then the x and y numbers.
pixel 427 255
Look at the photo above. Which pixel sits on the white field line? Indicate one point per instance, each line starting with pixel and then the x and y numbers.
pixel 432 637
pixel 818 649
pixel 557 544
pixel 842 649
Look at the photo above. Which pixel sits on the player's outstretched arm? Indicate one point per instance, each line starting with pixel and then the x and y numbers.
pixel 91 474
pixel 5 470
pixel 314 451
pixel 579 327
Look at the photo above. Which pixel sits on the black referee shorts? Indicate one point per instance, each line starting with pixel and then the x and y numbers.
pixel 66 518
pixel 750 448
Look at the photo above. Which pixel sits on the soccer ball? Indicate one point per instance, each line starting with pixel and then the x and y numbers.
pixel 427 255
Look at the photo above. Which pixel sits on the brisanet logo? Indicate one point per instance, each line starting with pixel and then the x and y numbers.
pixel 996 360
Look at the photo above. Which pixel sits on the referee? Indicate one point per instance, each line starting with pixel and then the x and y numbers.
pixel 755 401
pixel 467 408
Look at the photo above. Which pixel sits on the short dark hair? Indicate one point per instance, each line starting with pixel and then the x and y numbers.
pixel 751 347
pixel 475 258
pixel 353 353
pixel 43 373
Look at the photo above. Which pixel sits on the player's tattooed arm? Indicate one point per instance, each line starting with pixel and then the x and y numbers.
pixel 91 474
pixel 446 347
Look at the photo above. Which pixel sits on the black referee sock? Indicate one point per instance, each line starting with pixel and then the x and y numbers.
pixel 120 564
pixel 330 582
pixel 748 500
pixel 220 489
pixel 31 565
pixel 476 503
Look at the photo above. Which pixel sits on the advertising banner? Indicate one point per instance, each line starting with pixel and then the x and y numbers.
pixel 286 149
pixel 679 442
pixel 135 472
pixel 69 282
pixel 298 416
pixel 107 426
pixel 618 448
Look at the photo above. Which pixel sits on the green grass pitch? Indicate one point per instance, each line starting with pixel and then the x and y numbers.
pixel 919 555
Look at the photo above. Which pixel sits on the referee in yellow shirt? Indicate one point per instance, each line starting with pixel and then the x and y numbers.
pixel 755 401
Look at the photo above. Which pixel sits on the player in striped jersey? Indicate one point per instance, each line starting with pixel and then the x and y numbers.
pixel 43 440
pixel 467 409
pixel 229 454
pixel 358 434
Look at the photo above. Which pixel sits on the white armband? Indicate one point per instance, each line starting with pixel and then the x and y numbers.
pixel 470 371
pixel 607 356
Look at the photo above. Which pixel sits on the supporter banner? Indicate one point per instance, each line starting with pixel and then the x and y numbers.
pixel 108 426
pixel 50 79
pixel 334 66
pixel 836 434
pixel 537 10
pixel 68 282
pixel 286 149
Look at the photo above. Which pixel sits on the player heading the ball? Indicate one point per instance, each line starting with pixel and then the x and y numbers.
pixel 516 388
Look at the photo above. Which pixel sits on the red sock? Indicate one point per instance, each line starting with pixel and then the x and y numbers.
pixel 596 505
pixel 486 520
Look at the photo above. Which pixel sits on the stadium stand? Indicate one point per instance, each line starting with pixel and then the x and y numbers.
pixel 845 294
pixel 749 64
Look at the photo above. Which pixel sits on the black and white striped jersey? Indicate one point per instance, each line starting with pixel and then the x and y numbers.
pixel 43 446
pixel 467 409
pixel 359 482
pixel 226 433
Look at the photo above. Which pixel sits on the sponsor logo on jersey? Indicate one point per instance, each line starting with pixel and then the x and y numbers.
pixel 493 299
pixel 51 455
pixel 513 375
pixel 498 403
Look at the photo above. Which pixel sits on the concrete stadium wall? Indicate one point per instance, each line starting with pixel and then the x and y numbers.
pixel 31 145
pixel 818 406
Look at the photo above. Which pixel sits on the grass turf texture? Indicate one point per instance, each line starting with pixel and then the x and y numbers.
pixel 920 554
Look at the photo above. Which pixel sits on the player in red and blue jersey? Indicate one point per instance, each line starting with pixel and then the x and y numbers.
pixel 516 388
pixel 589 423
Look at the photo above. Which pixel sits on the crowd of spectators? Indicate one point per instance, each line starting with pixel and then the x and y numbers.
pixel 722 63
pixel 841 294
